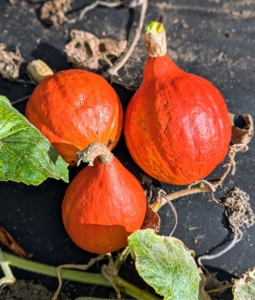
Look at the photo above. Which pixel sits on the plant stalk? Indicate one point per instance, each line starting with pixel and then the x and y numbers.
pixel 78 276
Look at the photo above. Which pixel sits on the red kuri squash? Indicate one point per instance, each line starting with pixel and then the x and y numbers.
pixel 176 126
pixel 103 204
pixel 74 108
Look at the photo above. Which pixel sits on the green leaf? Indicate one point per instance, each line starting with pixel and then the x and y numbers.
pixel 25 154
pixel 244 288
pixel 165 264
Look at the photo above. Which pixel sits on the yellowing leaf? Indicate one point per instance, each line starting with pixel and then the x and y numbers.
pixel 165 264
pixel 244 288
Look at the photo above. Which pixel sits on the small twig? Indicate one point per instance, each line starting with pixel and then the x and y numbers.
pixel 24 81
pixel 97 3
pixel 219 289
pixel 162 195
pixel 73 266
pixel 113 70
pixel 20 100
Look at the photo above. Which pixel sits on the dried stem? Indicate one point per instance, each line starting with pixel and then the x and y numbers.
pixel 219 289
pixel 109 271
pixel 113 70
pixel 102 3
pixel 20 100
pixel 94 150
pixel 73 266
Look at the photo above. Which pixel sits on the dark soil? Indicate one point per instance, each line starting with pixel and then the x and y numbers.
pixel 28 290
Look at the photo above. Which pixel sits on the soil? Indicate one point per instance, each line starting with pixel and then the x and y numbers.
pixel 213 39
pixel 25 289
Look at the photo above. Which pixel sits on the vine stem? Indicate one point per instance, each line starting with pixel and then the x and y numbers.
pixel 210 187
pixel 83 277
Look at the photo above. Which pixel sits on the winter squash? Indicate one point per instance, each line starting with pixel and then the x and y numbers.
pixel 74 108
pixel 176 125
pixel 103 204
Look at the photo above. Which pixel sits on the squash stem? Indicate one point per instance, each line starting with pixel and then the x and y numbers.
pixel 155 39
pixel 79 276
pixel 38 70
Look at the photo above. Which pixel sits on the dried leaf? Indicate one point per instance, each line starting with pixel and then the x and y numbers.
pixel 152 219
pixel 53 12
pixel 85 50
pixel 214 287
pixel 7 240
pixel 203 295
pixel 10 63
pixel 242 135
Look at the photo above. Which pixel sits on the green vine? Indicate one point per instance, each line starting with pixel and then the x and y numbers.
pixel 78 276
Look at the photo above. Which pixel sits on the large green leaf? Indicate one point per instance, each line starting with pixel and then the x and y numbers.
pixel 244 288
pixel 165 264
pixel 25 154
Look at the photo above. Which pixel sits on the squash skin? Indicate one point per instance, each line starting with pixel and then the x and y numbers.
pixel 102 206
pixel 177 127
pixel 74 108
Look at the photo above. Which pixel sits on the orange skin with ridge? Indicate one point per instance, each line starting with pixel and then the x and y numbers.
pixel 74 108
pixel 177 127
pixel 102 206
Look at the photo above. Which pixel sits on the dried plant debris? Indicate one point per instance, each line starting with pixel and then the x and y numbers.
pixel 7 240
pixel 244 288
pixel 238 212
pixel 214 287
pixel 85 50
pixel 203 295
pixel 53 12
pixel 152 219
pixel 242 135
pixel 10 63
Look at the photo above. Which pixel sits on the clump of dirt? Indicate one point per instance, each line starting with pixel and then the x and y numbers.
pixel 24 290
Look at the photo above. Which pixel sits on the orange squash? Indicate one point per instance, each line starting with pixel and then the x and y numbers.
pixel 74 108
pixel 177 127
pixel 103 204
